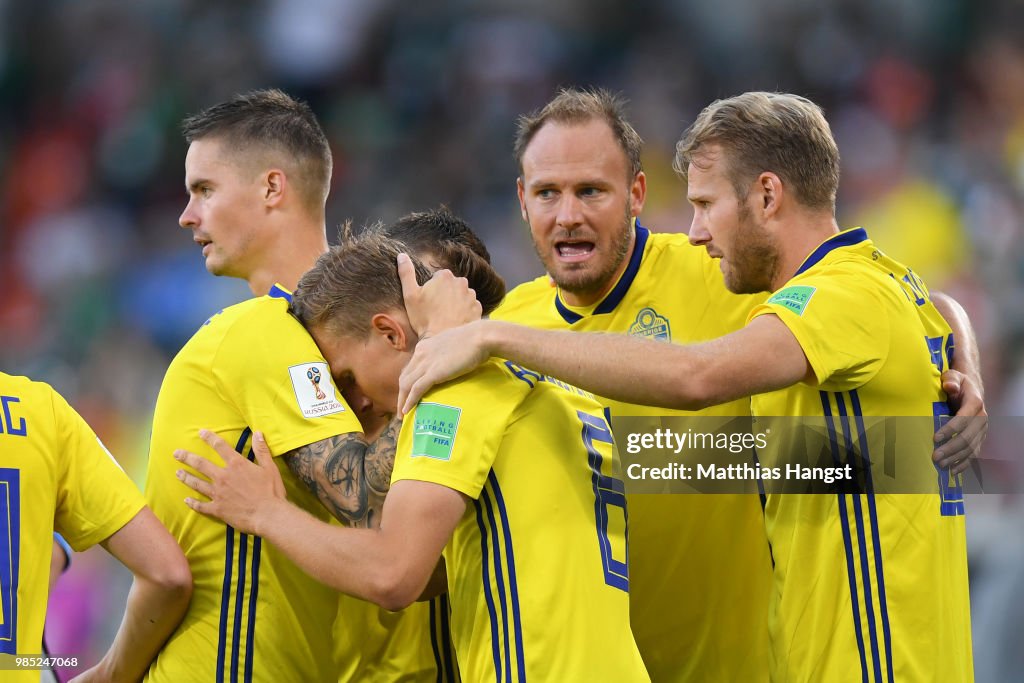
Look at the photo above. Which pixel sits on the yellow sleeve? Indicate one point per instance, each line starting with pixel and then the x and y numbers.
pixel 95 498
pixel 452 437
pixel 272 371
pixel 840 322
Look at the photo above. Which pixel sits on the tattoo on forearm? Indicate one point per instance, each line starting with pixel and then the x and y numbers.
pixel 332 470
pixel 380 458
pixel 348 476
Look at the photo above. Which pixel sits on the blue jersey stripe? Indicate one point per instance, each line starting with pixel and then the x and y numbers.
pixel 225 592
pixel 240 592
pixel 847 541
pixel 236 635
pixel 499 580
pixel 250 631
pixel 225 600
pixel 433 637
pixel 254 582
pixel 446 640
pixel 510 562
pixel 440 639
pixel 488 596
pixel 865 567
pixel 875 534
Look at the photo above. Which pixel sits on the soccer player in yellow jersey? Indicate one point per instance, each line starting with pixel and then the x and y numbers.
pixel 510 475
pixel 257 174
pixel 867 587
pixel 55 475
pixel 697 603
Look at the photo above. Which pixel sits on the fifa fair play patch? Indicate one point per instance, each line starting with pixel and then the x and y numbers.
pixel 794 298
pixel 434 430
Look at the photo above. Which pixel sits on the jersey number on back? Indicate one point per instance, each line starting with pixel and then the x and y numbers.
pixel 609 502
pixel 10 541
pixel 951 487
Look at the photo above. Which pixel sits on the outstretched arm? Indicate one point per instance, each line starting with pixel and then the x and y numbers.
pixel 961 438
pixel 390 565
pixel 157 601
pixel 618 366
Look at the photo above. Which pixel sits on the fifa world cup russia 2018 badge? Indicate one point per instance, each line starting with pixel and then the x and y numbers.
pixel 649 324
pixel 315 394
pixel 314 376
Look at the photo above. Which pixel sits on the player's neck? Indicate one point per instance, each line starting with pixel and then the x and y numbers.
pixel 288 261
pixel 800 240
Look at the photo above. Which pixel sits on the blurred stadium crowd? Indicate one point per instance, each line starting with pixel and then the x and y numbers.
pixel 926 98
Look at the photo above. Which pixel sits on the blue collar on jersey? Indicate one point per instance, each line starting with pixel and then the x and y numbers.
pixel 279 292
pixel 847 238
pixel 615 296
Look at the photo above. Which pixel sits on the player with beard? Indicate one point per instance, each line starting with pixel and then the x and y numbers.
pixel 866 585
pixel 697 603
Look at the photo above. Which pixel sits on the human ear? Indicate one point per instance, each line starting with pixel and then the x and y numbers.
pixel 274 184
pixel 390 330
pixel 637 194
pixel 770 188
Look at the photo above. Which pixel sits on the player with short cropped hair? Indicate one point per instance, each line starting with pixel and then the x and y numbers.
pixel 866 585
pixel 56 475
pixel 535 554
pixel 697 603
pixel 257 173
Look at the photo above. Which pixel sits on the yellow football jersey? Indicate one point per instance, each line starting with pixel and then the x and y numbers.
pixel 699 565
pixel 537 566
pixel 375 645
pixel 868 586
pixel 254 615
pixel 54 475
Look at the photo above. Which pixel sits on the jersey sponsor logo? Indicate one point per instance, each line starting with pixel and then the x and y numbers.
pixel 794 298
pixel 434 429
pixel 314 390
pixel 649 324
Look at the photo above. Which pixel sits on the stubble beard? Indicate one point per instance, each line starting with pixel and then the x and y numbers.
pixel 755 262
pixel 585 282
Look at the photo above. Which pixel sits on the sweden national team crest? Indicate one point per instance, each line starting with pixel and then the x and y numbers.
pixel 649 324
pixel 314 390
